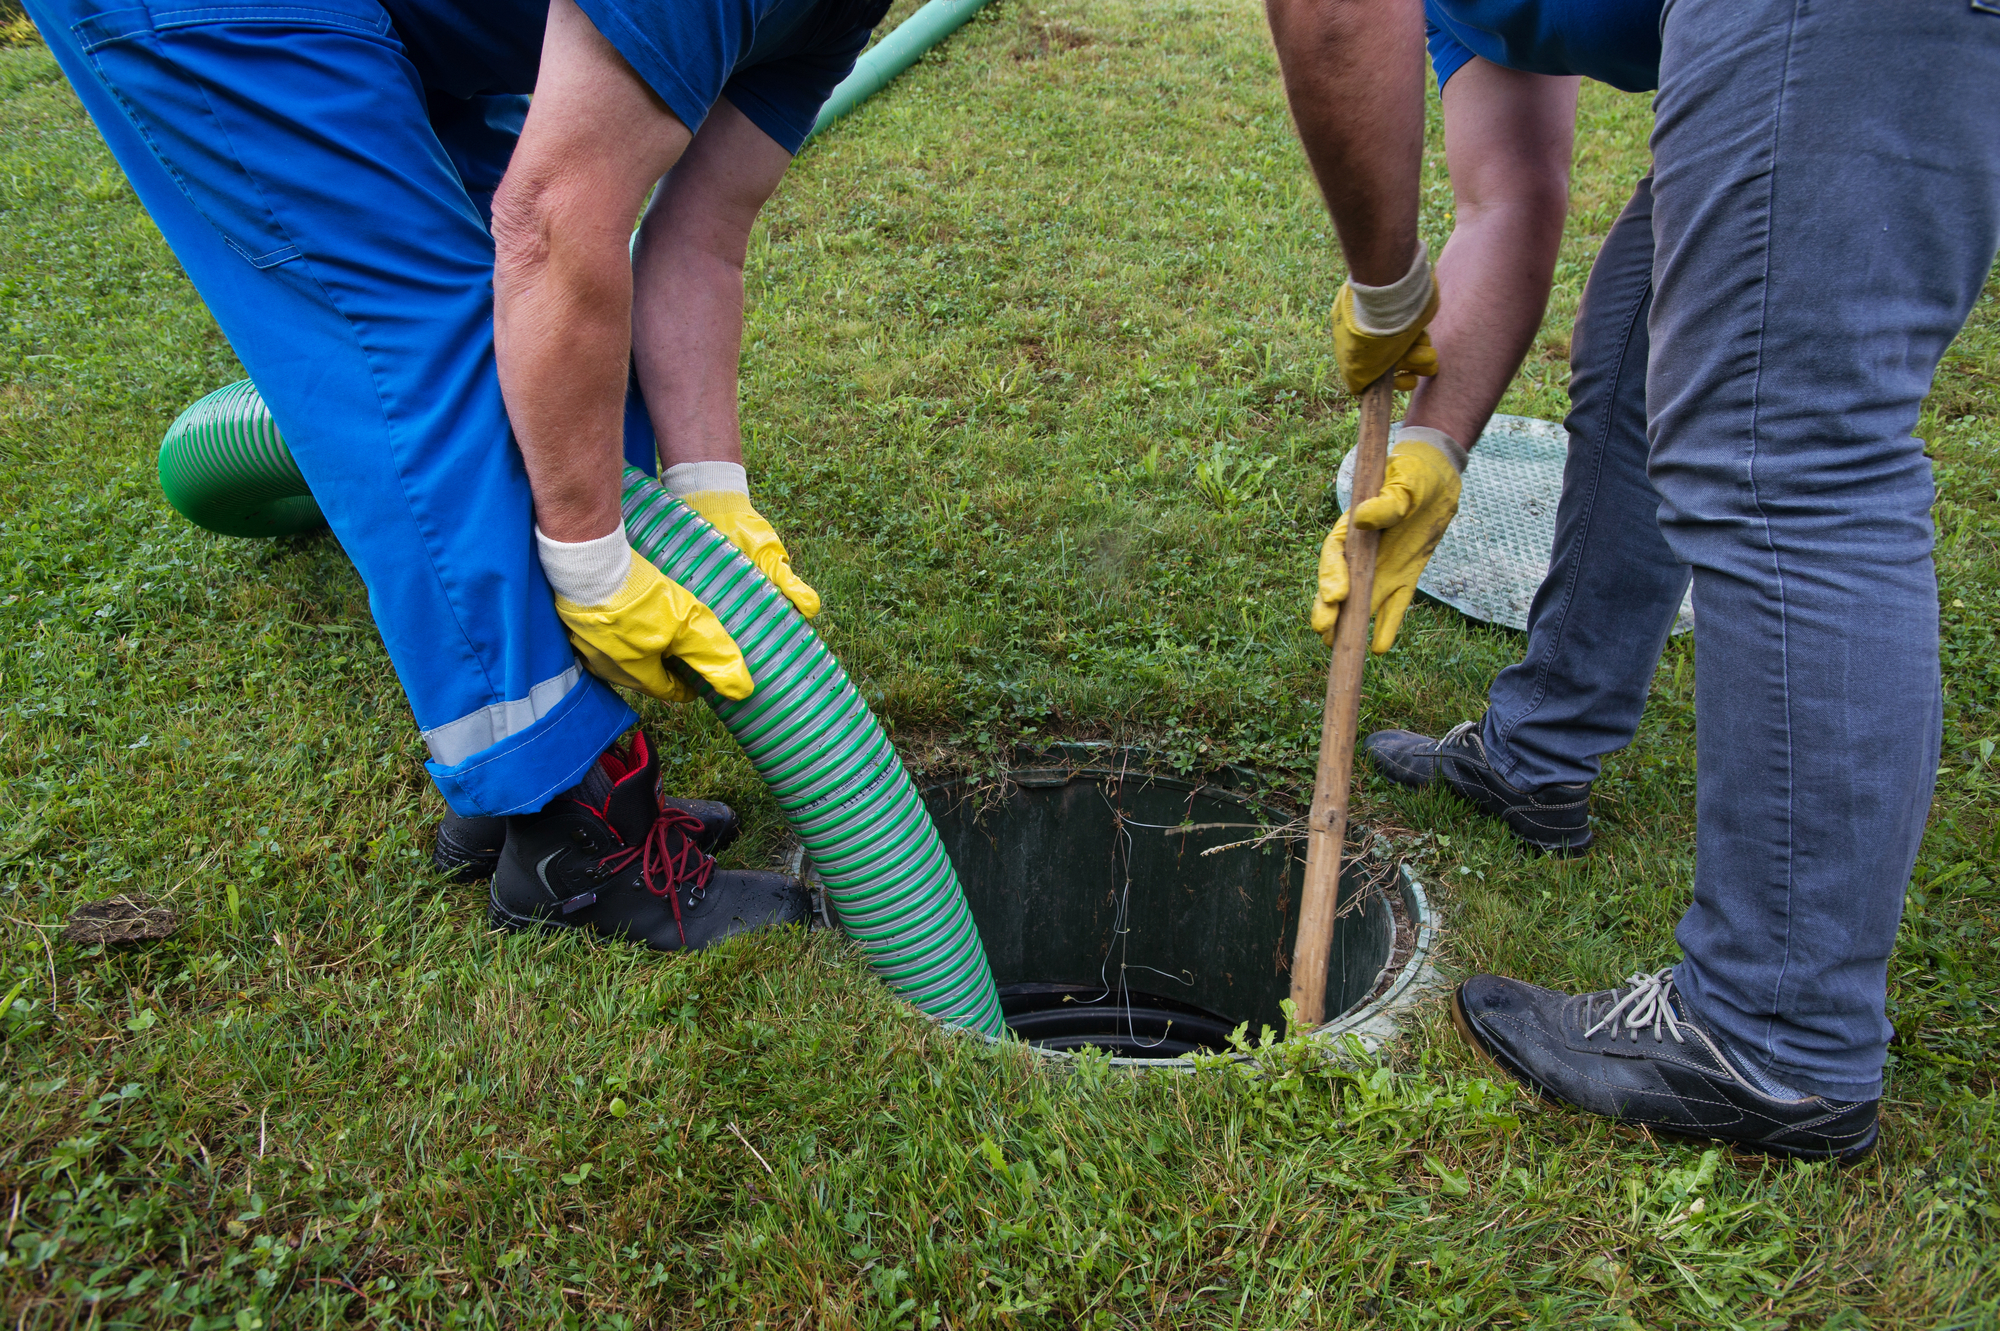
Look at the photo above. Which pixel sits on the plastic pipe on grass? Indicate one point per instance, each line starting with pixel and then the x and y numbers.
pixel 837 778
pixel 882 62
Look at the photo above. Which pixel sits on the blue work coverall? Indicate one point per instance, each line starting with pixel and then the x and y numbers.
pixel 1754 344
pixel 323 170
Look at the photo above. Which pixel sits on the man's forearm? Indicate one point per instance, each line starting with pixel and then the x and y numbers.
pixel 596 139
pixel 1354 75
pixel 562 332
pixel 1496 273
pixel 687 323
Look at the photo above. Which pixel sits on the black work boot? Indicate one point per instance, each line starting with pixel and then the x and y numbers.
pixel 1635 1054
pixel 1553 818
pixel 607 857
pixel 468 849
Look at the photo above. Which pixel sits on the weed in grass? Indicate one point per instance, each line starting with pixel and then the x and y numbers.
pixel 999 319
pixel 1227 480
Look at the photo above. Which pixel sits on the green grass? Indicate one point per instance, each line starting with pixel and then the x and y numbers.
pixel 998 320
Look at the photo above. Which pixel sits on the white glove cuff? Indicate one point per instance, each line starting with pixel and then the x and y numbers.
pixel 586 572
pixel 1391 309
pixel 1453 451
pixel 686 478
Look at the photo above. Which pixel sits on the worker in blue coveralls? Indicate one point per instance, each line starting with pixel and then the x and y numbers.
pixel 324 170
pixel 1755 340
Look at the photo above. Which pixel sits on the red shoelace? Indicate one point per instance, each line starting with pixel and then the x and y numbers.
pixel 667 862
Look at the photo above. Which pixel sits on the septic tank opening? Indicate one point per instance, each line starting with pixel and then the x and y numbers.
pixel 1107 925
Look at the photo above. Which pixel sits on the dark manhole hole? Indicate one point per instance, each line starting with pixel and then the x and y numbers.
pixel 1107 925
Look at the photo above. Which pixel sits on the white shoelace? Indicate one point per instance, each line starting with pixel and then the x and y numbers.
pixel 1649 1002
pixel 1457 732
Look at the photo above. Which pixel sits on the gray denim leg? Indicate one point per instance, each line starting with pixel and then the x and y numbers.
pixel 1826 208
pixel 1602 615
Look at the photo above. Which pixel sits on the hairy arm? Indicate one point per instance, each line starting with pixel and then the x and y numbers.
pixel 1508 138
pixel 1354 75
pixel 596 140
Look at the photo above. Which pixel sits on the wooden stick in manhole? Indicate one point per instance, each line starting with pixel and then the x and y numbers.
pixel 1326 827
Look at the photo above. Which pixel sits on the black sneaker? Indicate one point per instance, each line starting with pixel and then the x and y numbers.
pixel 1634 1054
pixel 1553 818
pixel 608 857
pixel 468 849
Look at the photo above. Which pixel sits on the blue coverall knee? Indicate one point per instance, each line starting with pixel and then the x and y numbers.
pixel 324 173
pixel 288 156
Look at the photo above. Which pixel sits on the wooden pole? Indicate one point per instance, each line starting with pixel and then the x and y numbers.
pixel 1327 825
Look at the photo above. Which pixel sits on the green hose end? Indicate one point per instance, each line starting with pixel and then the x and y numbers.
pixel 835 776
pixel 225 468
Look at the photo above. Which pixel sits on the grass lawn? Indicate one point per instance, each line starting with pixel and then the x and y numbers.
pixel 998 320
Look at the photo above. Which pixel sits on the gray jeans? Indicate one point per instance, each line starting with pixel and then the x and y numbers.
pixel 1754 344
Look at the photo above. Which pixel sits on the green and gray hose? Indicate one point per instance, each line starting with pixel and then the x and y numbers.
pixel 837 778
pixel 807 731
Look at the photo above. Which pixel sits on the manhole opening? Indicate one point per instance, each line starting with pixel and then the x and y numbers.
pixel 1108 926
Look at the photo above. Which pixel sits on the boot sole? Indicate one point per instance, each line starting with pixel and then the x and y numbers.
pixel 500 917
pixel 1845 1157
pixel 464 868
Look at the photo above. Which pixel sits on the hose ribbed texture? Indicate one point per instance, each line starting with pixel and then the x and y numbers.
pixel 837 778
pixel 225 467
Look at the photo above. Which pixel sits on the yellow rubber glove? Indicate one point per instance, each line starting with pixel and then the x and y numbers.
pixel 625 641
pixel 1418 501
pixel 1365 357
pixel 731 514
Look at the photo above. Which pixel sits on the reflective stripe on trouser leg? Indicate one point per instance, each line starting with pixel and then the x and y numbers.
pixel 292 168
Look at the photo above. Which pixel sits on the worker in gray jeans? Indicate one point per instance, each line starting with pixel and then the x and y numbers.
pixel 1755 342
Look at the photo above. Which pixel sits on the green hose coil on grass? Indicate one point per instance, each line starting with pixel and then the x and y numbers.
pixel 225 467
pixel 806 729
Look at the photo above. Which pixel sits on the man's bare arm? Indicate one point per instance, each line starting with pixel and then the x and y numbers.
pixel 687 322
pixel 1354 75
pixel 1508 138
pixel 596 140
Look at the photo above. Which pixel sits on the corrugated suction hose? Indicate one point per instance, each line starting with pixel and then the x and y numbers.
pixel 807 731
pixel 225 467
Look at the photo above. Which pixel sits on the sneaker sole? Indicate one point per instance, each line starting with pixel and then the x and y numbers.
pixel 1563 844
pixel 1847 1156
pixel 1564 849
